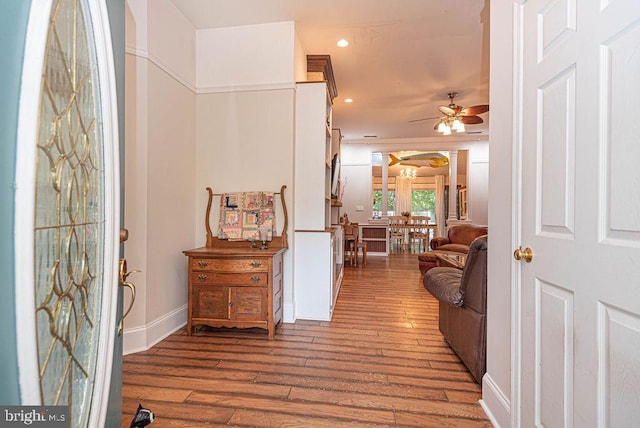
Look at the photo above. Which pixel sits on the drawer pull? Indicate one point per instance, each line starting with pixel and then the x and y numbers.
pixel 203 264
pixel 256 264
pixel 255 279
pixel 202 277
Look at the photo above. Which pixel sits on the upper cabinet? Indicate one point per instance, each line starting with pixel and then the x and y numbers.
pixel 313 157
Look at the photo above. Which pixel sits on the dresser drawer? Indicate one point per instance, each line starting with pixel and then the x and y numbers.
pixel 230 278
pixel 230 265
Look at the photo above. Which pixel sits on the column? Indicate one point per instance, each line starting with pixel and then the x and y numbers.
pixel 385 183
pixel 453 184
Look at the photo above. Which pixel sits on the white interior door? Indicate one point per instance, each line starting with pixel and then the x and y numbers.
pixel 580 307
pixel 67 206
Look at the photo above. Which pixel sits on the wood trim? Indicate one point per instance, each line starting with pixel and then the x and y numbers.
pixel 322 64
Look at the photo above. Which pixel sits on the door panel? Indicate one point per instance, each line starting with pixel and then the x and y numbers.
pixel 580 303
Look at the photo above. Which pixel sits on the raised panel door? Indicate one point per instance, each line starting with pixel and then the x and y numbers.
pixel 580 300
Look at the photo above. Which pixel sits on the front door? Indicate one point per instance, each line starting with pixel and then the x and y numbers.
pixel 67 210
pixel 580 285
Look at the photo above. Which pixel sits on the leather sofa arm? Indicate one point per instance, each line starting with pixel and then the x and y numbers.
pixel 440 240
pixel 444 284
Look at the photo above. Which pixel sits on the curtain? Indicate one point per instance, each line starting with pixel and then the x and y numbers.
pixel 440 220
pixel 403 195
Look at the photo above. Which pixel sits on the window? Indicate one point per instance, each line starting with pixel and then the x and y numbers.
pixel 377 203
pixel 423 202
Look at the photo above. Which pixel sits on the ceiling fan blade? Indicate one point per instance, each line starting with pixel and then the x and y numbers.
pixel 424 118
pixel 473 110
pixel 446 110
pixel 471 120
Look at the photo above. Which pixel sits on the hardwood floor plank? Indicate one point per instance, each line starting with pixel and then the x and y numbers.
pixel 178 415
pixel 426 372
pixel 210 385
pixel 380 361
pixel 383 389
pixel 173 395
pixel 423 405
pixel 200 373
pixel 282 420
pixel 305 371
pixel 296 407
pixel 421 420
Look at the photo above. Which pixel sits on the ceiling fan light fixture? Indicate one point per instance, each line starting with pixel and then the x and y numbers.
pixel 461 128
pixel 441 126
pixel 447 130
pixel 456 124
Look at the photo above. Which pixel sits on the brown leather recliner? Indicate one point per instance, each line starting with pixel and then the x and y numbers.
pixel 462 296
pixel 457 240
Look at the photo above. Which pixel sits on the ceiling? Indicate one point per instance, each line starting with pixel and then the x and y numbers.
pixel 403 58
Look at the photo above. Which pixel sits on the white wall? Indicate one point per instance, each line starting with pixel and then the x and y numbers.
pixel 245 120
pixel 245 143
pixel 246 57
pixel 159 159
pixel 203 108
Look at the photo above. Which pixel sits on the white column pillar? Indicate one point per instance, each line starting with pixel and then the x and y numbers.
pixel 385 183
pixel 453 184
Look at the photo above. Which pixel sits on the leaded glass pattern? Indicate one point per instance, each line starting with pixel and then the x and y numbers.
pixel 69 214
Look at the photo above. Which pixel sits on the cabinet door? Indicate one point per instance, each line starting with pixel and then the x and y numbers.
pixel 210 301
pixel 248 303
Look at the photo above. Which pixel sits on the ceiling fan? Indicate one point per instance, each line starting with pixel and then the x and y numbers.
pixel 455 116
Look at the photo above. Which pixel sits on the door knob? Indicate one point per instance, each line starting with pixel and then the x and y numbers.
pixel 526 254
pixel 124 235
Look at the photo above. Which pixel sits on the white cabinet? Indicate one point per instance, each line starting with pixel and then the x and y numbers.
pixel 317 275
pixel 312 157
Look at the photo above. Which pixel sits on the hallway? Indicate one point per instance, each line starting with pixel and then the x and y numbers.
pixel 381 361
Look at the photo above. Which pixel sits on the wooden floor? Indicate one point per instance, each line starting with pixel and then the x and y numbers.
pixel 381 361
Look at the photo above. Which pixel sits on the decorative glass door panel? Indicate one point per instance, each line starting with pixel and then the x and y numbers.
pixel 69 216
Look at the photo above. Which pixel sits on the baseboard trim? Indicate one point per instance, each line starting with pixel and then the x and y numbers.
pixel 495 403
pixel 142 338
pixel 288 313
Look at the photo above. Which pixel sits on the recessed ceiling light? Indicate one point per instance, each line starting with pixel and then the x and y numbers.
pixel 348 100
pixel 343 43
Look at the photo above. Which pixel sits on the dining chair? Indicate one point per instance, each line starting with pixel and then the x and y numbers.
pixel 351 243
pixel 419 231
pixel 397 230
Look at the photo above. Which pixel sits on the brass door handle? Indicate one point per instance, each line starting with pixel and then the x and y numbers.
pixel 123 275
pixel 526 254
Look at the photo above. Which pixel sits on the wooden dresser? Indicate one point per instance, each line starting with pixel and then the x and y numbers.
pixel 235 287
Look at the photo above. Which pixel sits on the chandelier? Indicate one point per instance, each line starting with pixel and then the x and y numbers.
pixel 450 123
pixel 409 173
